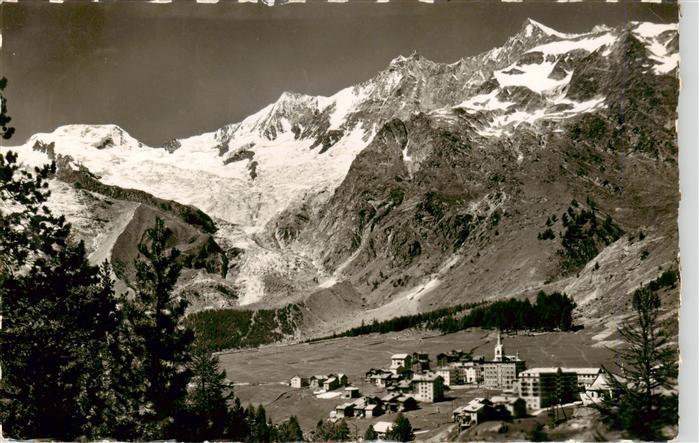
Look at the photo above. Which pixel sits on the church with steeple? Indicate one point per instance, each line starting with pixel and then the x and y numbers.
pixel 499 349
pixel 502 371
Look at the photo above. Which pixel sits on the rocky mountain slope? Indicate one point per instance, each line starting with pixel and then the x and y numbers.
pixel 547 163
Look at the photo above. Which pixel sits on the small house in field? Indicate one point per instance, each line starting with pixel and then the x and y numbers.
pixel 399 403
pixel 390 402
pixel 331 383
pixel 453 356
pixel 406 403
pixel 368 407
pixel 371 373
pixel 351 392
pixel 404 387
pixel 420 362
pixel 381 380
pixel 511 405
pixel 298 382
pixel 344 410
pixel 373 410
pixel 317 381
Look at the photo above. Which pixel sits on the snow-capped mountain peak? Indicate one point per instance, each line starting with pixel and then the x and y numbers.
pixel 531 27
pixel 414 59
pixel 527 80
pixel 90 136
pixel 298 151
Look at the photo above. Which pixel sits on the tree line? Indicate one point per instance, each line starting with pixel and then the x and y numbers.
pixel 549 312
pixel 327 430
pixel 400 323
pixel 222 329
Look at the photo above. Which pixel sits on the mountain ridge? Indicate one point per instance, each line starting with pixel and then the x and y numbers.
pixel 414 188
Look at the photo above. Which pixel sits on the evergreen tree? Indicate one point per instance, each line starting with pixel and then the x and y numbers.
pixel 402 430
pixel 61 318
pixel 520 408
pixel 645 402
pixel 370 434
pixel 289 431
pixel 274 431
pixel 329 431
pixel 238 429
pixel 120 368
pixel 342 431
pixel 164 342
pixel 259 428
pixel 206 414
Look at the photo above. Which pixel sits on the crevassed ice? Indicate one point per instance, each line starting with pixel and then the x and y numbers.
pixel 194 174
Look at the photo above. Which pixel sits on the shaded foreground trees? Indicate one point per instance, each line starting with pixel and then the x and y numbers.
pixel 645 402
pixel 205 415
pixel 82 362
pixel 402 430
pixel 62 378
pixel 87 363
pixel 68 367
pixel 160 340
pixel 370 434
pixel 328 431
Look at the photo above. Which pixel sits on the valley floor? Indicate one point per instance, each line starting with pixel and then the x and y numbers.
pixel 262 375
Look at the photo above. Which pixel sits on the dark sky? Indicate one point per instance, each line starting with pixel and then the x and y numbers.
pixel 174 70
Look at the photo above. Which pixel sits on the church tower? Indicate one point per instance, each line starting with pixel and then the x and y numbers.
pixel 499 349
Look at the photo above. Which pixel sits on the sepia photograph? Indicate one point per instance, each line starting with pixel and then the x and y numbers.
pixel 287 221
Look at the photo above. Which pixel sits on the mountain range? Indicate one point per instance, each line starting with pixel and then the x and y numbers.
pixel 548 163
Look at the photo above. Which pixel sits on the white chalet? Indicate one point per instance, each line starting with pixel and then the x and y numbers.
pixel 598 390
pixel 298 382
pixel 400 361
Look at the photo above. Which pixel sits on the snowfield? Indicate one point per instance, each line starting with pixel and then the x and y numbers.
pixel 194 174
pixel 656 38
